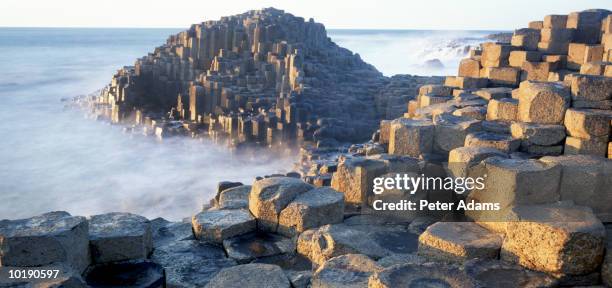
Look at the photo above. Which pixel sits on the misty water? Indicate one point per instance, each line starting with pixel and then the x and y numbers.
pixel 52 158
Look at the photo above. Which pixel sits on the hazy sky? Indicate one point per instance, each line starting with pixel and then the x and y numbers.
pixel 374 14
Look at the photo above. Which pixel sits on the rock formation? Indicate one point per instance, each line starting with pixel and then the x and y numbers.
pixel 531 118
pixel 263 76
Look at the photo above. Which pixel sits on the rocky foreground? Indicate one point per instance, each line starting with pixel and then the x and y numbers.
pixel 532 117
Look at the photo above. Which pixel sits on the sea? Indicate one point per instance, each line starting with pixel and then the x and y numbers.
pixel 55 158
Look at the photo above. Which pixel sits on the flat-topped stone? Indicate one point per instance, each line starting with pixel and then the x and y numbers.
pixel 235 197
pixel 218 225
pixel 538 134
pixel 312 209
pixel 190 263
pixel 250 276
pixel 495 273
pixel 245 248
pixel 45 239
pixel 269 196
pixel 458 242
pixel 427 275
pixel 119 236
pixel 350 270
pixel 374 241
pixel 501 142
pixel 588 123
pixel 165 232
pixel 354 178
pixel 554 238
pixel 411 137
pixel 461 159
pixel 450 131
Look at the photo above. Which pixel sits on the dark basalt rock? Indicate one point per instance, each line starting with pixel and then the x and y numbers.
pixel 141 274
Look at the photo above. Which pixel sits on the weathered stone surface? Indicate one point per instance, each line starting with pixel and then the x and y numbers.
pixel 504 143
pixel 595 68
pixel 436 90
pixel 460 160
pixel 247 247
pixel 190 263
pixel 583 181
pixel 495 55
pixel 517 58
pixel 469 68
pixel 554 238
pixel 428 275
pixel 270 196
pixel 458 242
pixel 512 182
pixel 235 197
pixel 299 279
pixel 304 241
pixel 503 109
pixel 374 241
pixel 354 178
pixel 400 259
pixel 588 123
pixel 591 88
pixel 350 270
pixel 579 53
pixel 537 71
pixel 606 267
pixel 250 275
pixel 538 134
pixel 539 150
pixel 494 273
pixel 164 232
pixel 45 239
pixel 575 145
pixel 311 209
pixel 411 137
pixel 218 225
pixel 224 185
pixel 428 100
pixel 119 236
pixel 398 163
pixel 543 103
pixel 555 21
pixel 474 112
pixel 466 82
pixel 450 131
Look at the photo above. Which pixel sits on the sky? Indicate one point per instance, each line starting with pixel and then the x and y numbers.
pixel 335 14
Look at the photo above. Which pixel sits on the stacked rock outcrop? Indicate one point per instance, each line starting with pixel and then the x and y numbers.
pixel 532 118
pixel 264 76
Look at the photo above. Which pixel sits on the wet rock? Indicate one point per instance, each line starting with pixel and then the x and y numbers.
pixel 165 232
pixel 494 273
pixel 458 241
pixel 554 238
pixel 374 241
pixel 431 275
pixel 219 225
pixel 119 236
pixel 45 239
pixel 235 197
pixel 250 275
pixel 248 247
pixel 312 209
pixel 190 263
pixel 134 273
pixel 270 196
pixel 351 270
